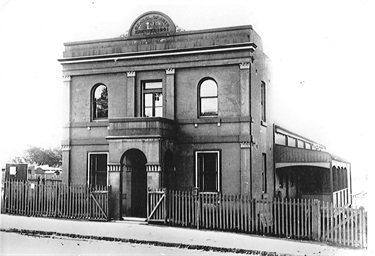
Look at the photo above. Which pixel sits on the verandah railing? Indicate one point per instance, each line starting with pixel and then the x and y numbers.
pixel 55 200
pixel 292 218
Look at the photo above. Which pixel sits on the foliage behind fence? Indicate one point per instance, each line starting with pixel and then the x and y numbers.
pixel 55 200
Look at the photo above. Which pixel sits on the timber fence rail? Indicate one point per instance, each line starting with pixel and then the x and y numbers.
pixel 342 225
pixel 291 218
pixel 60 200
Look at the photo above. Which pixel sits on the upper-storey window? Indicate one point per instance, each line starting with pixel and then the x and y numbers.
pixel 292 142
pixel 152 99
pixel 280 139
pixel 300 144
pixel 208 98
pixel 100 102
pixel 263 101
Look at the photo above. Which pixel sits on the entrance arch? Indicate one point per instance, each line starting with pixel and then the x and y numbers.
pixel 134 184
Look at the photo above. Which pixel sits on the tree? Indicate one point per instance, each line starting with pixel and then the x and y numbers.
pixel 40 156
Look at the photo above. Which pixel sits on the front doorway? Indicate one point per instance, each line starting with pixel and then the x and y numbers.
pixel 134 184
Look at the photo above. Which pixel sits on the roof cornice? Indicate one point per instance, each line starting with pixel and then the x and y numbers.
pixel 159 53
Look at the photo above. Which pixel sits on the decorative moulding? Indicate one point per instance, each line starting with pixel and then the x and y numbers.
pixel 114 167
pixel 245 144
pixel 153 168
pixel 170 71
pixel 66 78
pixel 66 148
pixel 245 65
pixel 130 73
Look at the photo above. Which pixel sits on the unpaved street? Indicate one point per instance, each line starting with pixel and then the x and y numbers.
pixel 16 244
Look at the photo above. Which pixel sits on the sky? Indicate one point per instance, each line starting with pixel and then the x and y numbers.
pixel 321 53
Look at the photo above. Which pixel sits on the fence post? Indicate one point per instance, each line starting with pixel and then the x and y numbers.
pixel 315 212
pixel 148 203
pixel 197 207
pixel 109 190
pixel 165 205
pixel 3 193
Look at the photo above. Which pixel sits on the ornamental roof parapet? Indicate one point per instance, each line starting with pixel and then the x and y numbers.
pixel 159 42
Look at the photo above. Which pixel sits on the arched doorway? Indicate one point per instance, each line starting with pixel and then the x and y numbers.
pixel 134 184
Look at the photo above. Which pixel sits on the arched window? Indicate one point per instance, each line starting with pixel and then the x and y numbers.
pixel 100 102
pixel 208 98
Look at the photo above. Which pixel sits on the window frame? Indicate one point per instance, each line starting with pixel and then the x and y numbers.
pixel 292 142
pixel 94 103
pixel 280 139
pixel 201 82
pixel 218 171
pixel 152 91
pixel 90 172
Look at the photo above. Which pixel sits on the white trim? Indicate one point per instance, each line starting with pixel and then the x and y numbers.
pixel 88 163
pixel 157 55
pixel 218 167
pixel 318 164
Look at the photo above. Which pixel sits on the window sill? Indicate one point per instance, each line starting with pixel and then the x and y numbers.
pixel 100 120
pixel 213 116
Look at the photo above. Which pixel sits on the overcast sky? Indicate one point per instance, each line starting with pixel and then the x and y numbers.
pixel 321 53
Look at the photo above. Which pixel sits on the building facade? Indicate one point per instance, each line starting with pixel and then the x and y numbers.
pixel 161 108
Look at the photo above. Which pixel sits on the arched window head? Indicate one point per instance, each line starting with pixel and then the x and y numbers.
pixel 100 102
pixel 208 98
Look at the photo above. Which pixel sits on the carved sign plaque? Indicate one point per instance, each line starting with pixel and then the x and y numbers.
pixel 152 23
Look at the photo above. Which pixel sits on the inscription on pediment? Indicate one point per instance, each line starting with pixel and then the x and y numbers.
pixel 152 23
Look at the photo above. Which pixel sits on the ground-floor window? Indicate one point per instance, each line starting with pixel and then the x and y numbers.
pixel 97 175
pixel 207 171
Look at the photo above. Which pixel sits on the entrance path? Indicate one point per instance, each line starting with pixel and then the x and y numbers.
pixel 143 233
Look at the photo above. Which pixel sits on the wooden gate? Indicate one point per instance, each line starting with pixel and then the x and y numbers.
pixel 99 204
pixel 345 226
pixel 157 206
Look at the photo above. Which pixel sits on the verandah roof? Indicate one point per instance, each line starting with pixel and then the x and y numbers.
pixel 286 156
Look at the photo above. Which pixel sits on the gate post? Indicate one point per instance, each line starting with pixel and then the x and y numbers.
pixel 148 203
pixel 197 206
pixel 165 205
pixel 315 212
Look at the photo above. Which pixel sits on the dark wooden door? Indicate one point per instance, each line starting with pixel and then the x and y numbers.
pixel 139 187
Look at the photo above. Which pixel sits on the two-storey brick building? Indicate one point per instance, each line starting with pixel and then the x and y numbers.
pixel 161 108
